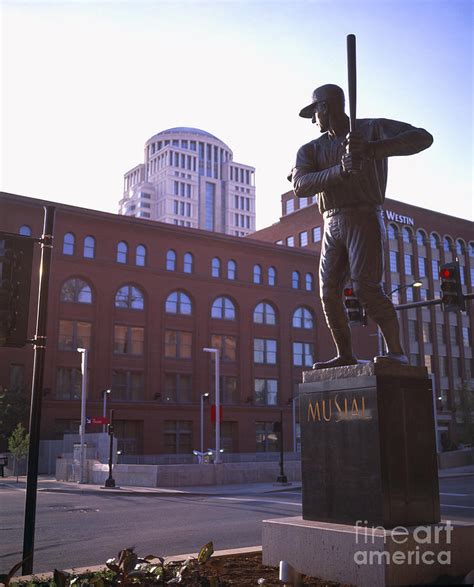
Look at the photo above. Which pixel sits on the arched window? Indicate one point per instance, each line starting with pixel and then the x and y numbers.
pixel 89 247
pixel 309 282
pixel 272 276
pixel 460 247
pixel 257 274
pixel 129 296
pixel 188 263
pixel 407 235
pixel 302 318
pixel 122 252
pixel 77 291
pixel 178 303
pixel 231 269
pixel 434 241
pixel 25 230
pixel 223 308
pixel 264 313
pixel 392 232
pixel 420 237
pixel 447 244
pixel 295 280
pixel 471 249
pixel 171 260
pixel 68 243
pixel 140 256
pixel 216 267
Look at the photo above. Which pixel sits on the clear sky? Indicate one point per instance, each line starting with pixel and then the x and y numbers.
pixel 85 83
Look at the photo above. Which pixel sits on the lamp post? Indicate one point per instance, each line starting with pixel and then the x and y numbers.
pixel 105 393
pixel 218 403
pixel 82 428
pixel 293 410
pixel 203 395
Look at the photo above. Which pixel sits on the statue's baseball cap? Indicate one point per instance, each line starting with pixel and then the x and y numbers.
pixel 322 94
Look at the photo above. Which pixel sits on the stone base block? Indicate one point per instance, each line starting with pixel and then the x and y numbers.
pixel 366 556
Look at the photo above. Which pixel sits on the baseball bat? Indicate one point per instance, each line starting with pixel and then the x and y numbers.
pixel 352 77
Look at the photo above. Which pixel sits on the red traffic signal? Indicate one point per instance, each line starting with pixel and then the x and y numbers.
pixel 349 292
pixel 446 273
pixel 451 288
pixel 355 312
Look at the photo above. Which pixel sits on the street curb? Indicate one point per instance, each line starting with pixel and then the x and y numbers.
pixel 172 558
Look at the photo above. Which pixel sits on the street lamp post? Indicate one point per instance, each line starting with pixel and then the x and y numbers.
pixel 293 410
pixel 82 428
pixel 218 403
pixel 105 393
pixel 203 395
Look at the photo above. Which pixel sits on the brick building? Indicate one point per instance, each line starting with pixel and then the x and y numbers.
pixel 144 298
pixel 418 241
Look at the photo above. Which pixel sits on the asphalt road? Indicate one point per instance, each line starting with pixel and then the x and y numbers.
pixel 74 530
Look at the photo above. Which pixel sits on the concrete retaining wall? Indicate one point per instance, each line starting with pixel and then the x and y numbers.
pixel 180 475
pixel 456 458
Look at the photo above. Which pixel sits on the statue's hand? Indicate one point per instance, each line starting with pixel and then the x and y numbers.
pixel 356 144
pixel 351 163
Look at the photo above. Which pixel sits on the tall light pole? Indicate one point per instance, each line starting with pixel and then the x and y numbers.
pixel 203 395
pixel 82 428
pixel 218 405
pixel 105 393
pixel 293 401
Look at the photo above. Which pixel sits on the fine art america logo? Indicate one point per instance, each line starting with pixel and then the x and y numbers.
pixel 403 546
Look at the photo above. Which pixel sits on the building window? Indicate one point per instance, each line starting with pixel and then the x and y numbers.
pixel 426 332
pixel 435 268
pixel 290 241
pixel 443 366
pixel 264 313
pixel 295 280
pixel 392 232
pixel 302 318
pixel 303 354
pixel 471 250
pixel 73 335
pixel 465 336
pixel 209 205
pixel 178 436
pixel 216 267
pixel 178 388
pixel 178 344
pixel 127 386
pixel 128 340
pixel 265 351
pixel 316 234
pixel 412 331
pixel 265 437
pixel 77 291
pixel 69 243
pixel 435 242
pixel 309 282
pixel 223 308
pixel 422 266
pixel 140 256
pixel 188 263
pixel 231 270
pixel 122 252
pixel 130 297
pixel 257 274
pixel 289 206
pixel 409 294
pixel 178 303
pixel 460 247
pixel 266 392
pixel 454 335
pixel 406 235
pixel 68 383
pixel 25 230
pixel 171 260
pixel 89 247
pixel 447 244
pixel 408 265
pixel 227 346
pixel 272 276
pixel 420 237
pixel 228 387
pixel 304 238
pixel 394 261
pixel 441 334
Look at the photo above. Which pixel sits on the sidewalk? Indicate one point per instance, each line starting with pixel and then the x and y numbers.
pixel 50 485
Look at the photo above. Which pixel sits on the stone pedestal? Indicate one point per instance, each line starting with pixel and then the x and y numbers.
pixel 370 557
pixel 368 449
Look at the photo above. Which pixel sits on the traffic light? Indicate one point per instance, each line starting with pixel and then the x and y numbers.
pixel 355 312
pixel 451 289
pixel 16 261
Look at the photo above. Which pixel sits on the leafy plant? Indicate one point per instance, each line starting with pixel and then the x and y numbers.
pixel 18 443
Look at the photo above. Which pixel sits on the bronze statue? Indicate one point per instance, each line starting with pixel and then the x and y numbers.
pixel 348 171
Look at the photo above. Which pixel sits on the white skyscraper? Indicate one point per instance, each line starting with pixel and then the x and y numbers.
pixel 189 179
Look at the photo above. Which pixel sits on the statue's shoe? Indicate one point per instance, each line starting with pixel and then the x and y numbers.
pixel 336 362
pixel 392 358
